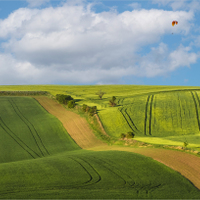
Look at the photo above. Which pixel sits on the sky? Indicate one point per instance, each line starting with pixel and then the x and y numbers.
pixel 97 42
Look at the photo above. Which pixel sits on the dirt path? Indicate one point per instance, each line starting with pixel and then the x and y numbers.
pixel 186 164
pixel 76 126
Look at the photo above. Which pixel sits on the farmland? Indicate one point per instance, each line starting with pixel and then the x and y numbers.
pixel 28 131
pixel 41 156
pixel 87 174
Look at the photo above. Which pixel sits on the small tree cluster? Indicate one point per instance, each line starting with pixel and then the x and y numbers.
pixel 112 101
pixel 91 110
pixel 127 135
pixel 62 98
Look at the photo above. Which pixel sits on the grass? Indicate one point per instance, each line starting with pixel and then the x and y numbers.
pixel 93 175
pixel 28 131
pixel 40 160
pixel 193 140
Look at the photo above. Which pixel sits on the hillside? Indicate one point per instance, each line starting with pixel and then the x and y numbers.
pixel 29 132
pixel 39 158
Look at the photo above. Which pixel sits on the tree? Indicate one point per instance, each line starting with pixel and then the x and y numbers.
pixel 71 104
pixel 112 101
pixel 100 94
pixel 63 98
pixel 130 135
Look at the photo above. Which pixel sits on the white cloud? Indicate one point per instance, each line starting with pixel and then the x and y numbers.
pixel 160 61
pixel 73 44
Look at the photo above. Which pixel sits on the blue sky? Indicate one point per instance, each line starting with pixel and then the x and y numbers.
pixel 90 42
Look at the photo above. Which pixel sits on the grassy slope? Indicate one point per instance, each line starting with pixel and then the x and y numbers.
pixel 85 174
pixel 56 176
pixel 28 131
pixel 78 174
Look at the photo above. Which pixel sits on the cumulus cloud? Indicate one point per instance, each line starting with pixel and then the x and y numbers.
pixel 73 44
pixel 160 61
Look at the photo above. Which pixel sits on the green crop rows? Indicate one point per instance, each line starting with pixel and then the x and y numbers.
pixel 159 114
pixel 27 131
pixel 93 175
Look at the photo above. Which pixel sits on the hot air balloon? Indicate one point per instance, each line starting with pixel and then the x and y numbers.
pixel 174 22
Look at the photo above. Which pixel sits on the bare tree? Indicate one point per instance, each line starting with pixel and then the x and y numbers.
pixel 100 94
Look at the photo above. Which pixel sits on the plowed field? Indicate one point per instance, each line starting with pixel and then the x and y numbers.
pixel 76 126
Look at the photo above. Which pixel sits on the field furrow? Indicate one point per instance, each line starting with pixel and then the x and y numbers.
pixel 124 113
pixel 32 153
pixel 146 115
pixel 180 112
pixel 31 128
pixel 186 164
pixel 150 113
pixel 196 108
pixel 135 129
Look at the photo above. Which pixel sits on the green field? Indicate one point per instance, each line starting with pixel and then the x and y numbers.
pixel 93 175
pixel 38 159
pixel 29 132
pixel 148 111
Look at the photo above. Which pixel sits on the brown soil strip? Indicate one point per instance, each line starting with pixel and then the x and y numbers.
pixel 186 164
pixel 76 126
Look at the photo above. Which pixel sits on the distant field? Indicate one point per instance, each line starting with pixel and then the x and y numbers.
pixel 29 132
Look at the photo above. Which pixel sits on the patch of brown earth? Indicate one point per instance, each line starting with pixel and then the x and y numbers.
pixel 186 164
pixel 76 126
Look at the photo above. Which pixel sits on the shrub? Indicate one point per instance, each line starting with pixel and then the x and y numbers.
pixel 91 110
pixel 112 101
pixel 84 107
pixel 71 104
pixel 123 135
pixel 130 135
pixel 63 98
pixel 185 144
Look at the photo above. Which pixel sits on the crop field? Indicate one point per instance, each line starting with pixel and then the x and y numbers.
pixel 170 116
pixel 29 132
pixel 46 156
pixel 87 174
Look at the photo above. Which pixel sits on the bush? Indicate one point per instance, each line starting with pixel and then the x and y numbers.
pixel 84 107
pixel 71 104
pixel 91 110
pixel 130 135
pixel 112 101
pixel 123 135
pixel 63 98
